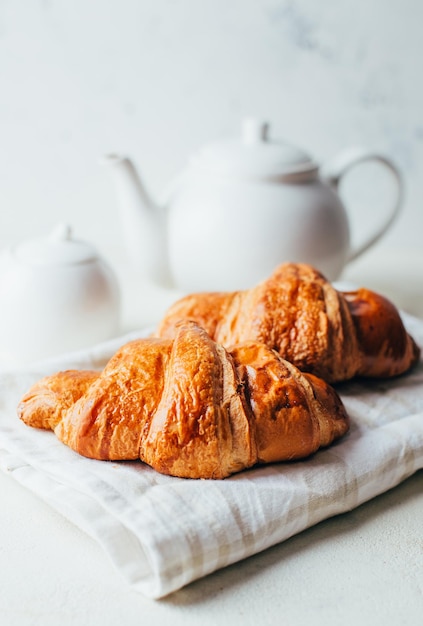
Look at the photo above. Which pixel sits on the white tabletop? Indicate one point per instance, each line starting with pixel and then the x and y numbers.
pixel 363 567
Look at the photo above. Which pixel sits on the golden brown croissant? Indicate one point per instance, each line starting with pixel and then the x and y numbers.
pixel 297 312
pixel 189 408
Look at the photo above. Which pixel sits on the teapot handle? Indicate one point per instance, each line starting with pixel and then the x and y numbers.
pixel 341 164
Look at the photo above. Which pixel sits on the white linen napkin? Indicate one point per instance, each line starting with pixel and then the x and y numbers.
pixel 163 532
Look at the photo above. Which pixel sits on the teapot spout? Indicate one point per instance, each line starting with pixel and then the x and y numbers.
pixel 143 223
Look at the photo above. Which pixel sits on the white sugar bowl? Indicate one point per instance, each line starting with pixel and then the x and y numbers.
pixel 56 295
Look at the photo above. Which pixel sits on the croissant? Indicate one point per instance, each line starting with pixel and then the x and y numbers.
pixel 189 408
pixel 334 335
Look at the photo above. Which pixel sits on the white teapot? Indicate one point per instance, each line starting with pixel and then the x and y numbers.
pixel 241 207
pixel 57 295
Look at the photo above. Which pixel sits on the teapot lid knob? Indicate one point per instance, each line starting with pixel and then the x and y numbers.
pixel 254 130
pixel 61 232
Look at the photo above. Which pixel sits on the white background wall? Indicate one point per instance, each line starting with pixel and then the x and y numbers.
pixel 157 78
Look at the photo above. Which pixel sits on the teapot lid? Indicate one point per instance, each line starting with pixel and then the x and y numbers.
pixel 255 155
pixel 58 248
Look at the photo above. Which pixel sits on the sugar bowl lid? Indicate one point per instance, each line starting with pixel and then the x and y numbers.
pixel 58 248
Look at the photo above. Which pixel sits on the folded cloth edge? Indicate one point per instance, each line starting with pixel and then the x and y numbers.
pixel 129 555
